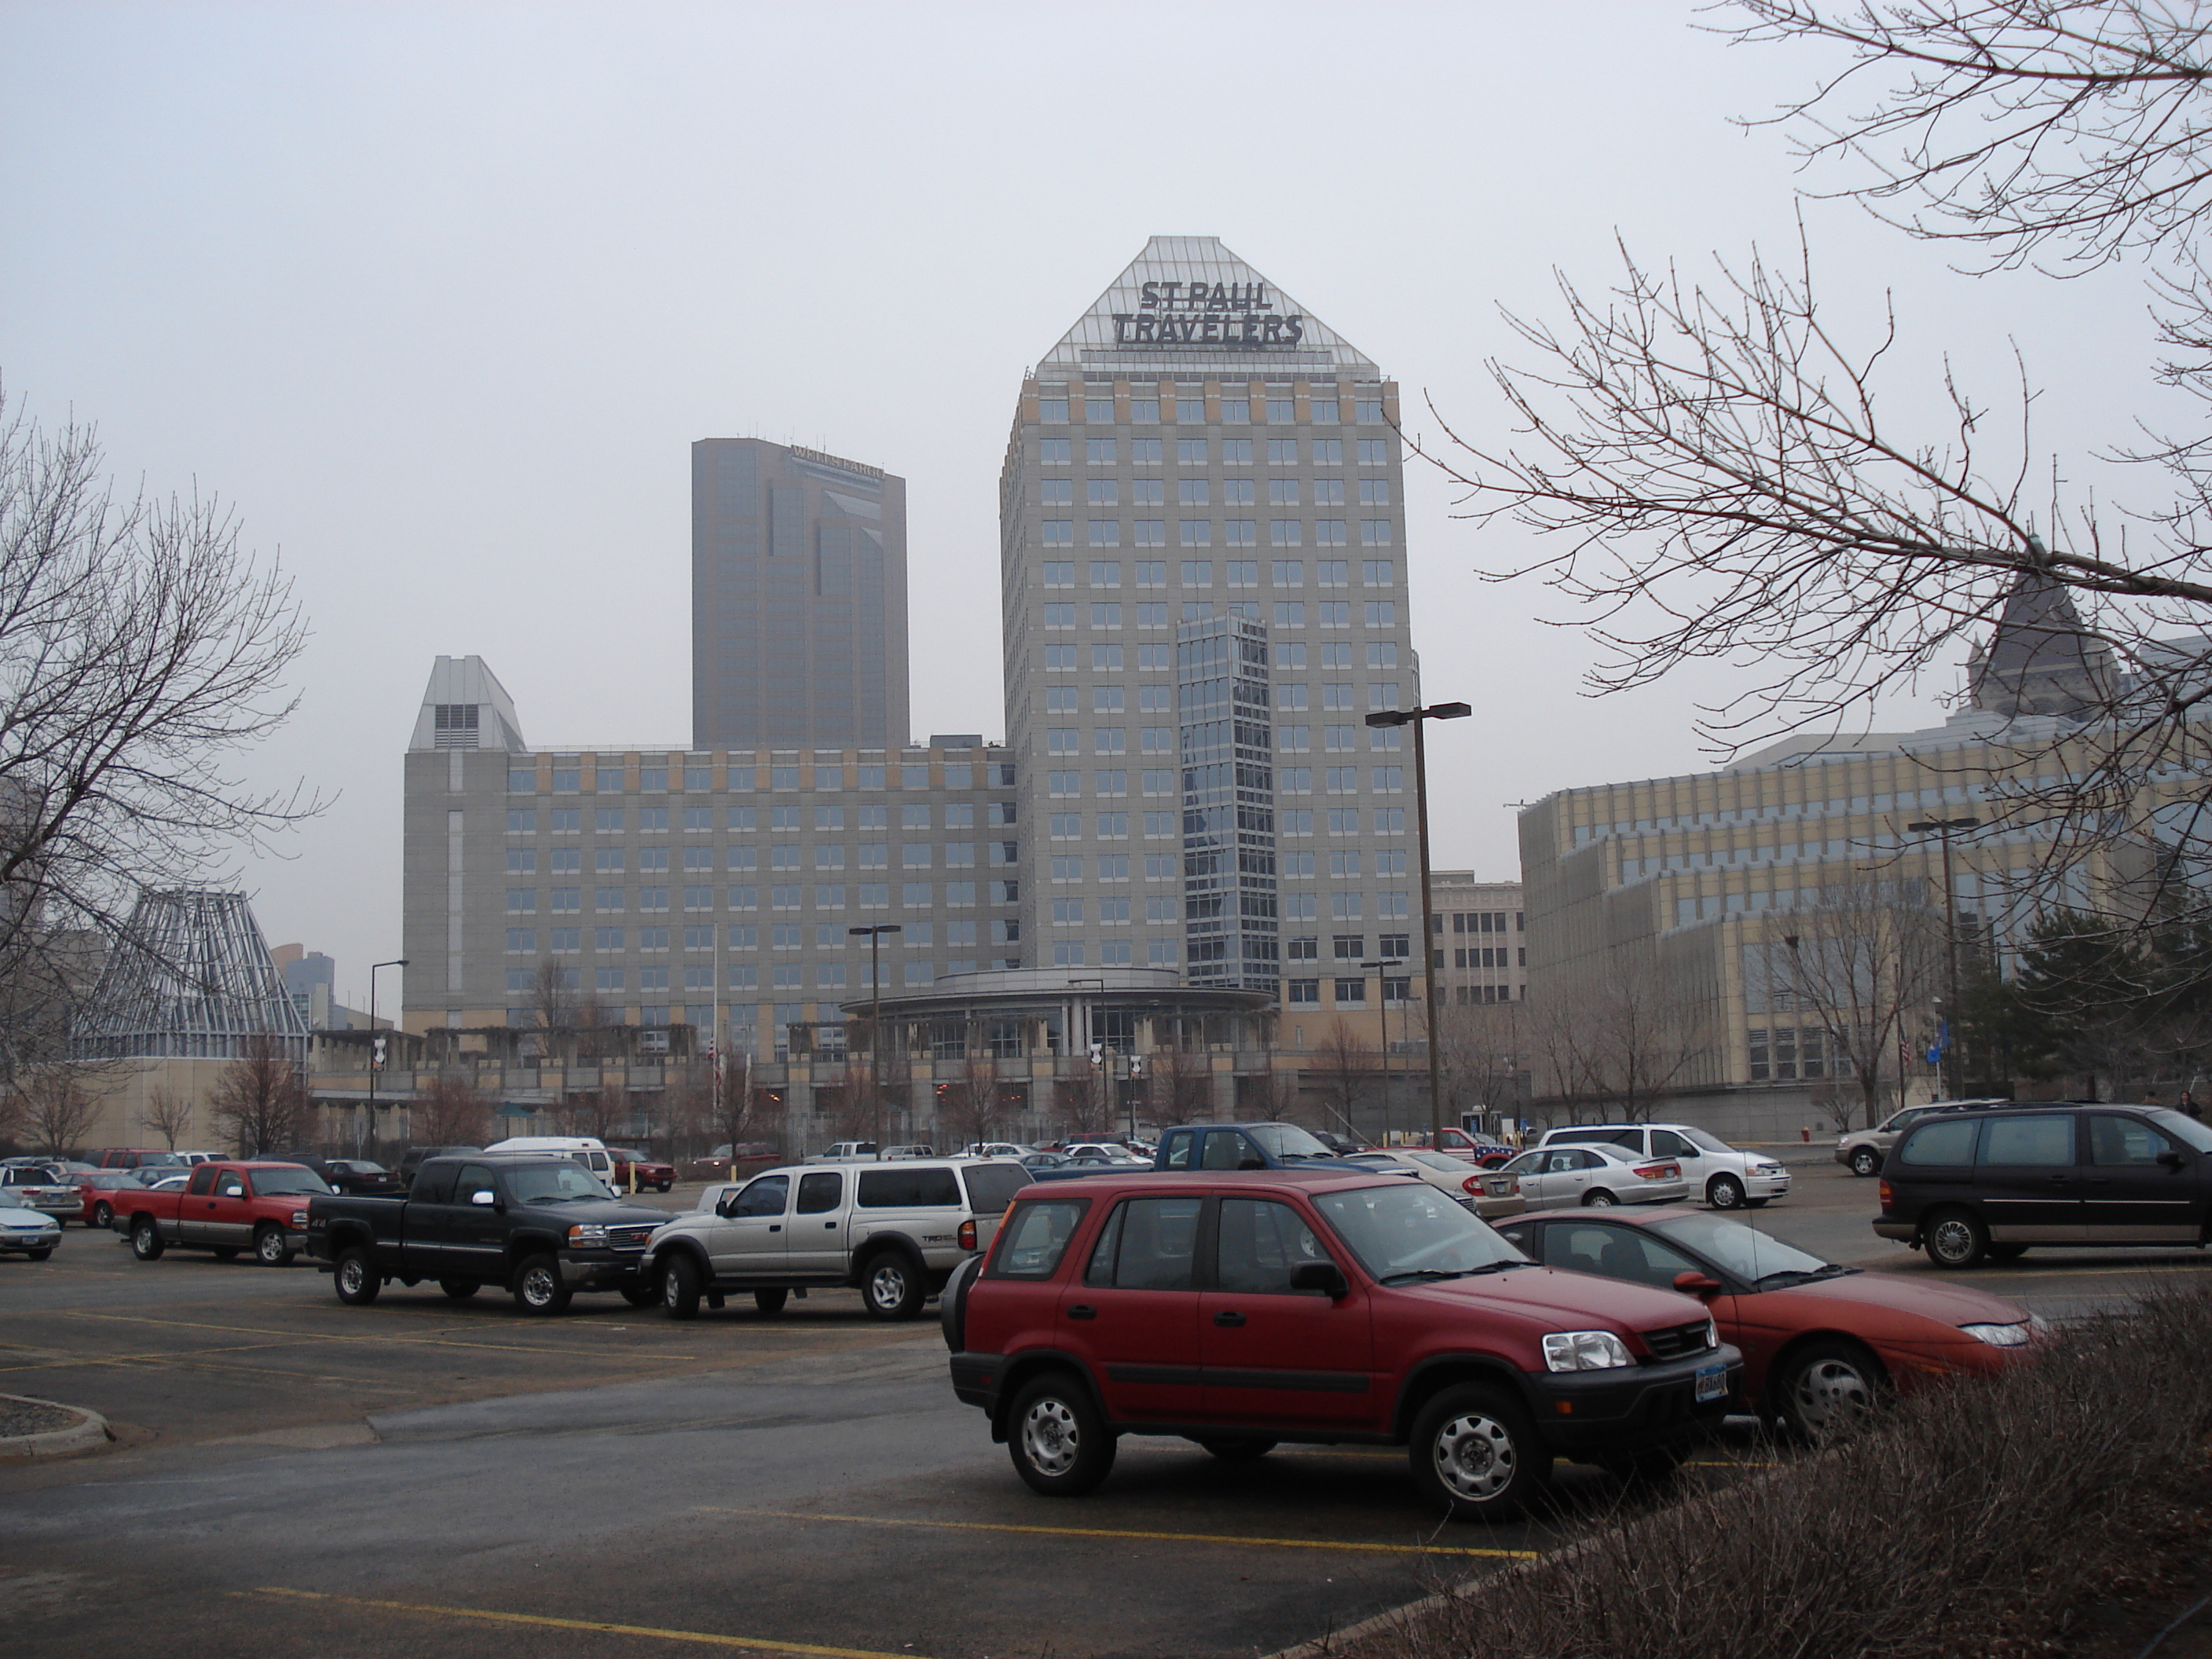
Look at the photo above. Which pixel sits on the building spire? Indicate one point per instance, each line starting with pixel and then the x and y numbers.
pixel 2042 659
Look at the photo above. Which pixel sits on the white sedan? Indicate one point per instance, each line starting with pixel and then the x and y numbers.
pixel 1493 1195
pixel 1596 1174
pixel 31 1232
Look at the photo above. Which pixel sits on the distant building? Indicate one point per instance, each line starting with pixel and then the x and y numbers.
pixel 798 599
pixel 1481 939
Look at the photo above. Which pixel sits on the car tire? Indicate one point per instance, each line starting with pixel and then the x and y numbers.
pixel 1475 1452
pixel 1866 1162
pixel 269 1249
pixel 1599 1198
pixel 1955 1238
pixel 641 1293
pixel 667 1186
pixel 40 1255
pixel 354 1278
pixel 770 1302
pixel 225 1253
pixel 103 1216
pixel 538 1288
pixel 1237 1451
pixel 146 1241
pixel 891 1286
pixel 1724 1192
pixel 679 1287
pixel 1828 1388
pixel 459 1289
pixel 2007 1252
pixel 1057 1436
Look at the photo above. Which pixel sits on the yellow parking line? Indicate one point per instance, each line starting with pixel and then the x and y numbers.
pixel 707 1639
pixel 1233 1539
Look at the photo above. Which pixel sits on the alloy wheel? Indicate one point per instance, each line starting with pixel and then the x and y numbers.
pixel 1051 1436
pixel 1475 1456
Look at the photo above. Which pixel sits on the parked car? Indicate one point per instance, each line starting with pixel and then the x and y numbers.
pixel 846 1151
pixel 537 1224
pixel 169 1183
pixel 34 1232
pixel 1242 1308
pixel 1491 1193
pixel 96 1193
pixel 913 1149
pixel 350 1175
pixel 649 1173
pixel 1475 1148
pixel 201 1157
pixel 1980 1185
pixel 42 1187
pixel 1728 1178
pixel 1595 1175
pixel 412 1159
pixel 997 1149
pixel 894 1232
pixel 1822 1345
pixel 586 1150
pixel 132 1157
pixel 224 1207
pixel 1863 1150
pixel 1342 1145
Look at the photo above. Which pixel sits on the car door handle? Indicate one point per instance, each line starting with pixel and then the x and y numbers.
pixel 776 1227
pixel 831 1225
pixel 1081 1311
pixel 2100 1181
pixel 1229 1316
pixel 2061 1177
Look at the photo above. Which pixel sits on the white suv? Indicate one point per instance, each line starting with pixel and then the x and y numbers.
pixel 896 1230
pixel 1728 1179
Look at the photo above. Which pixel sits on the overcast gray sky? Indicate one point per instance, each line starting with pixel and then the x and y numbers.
pixel 439 295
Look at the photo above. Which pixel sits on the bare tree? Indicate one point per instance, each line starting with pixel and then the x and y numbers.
pixel 1861 967
pixel 553 1001
pixel 141 650
pixel 168 1115
pixel 55 1108
pixel 604 1113
pixel 1483 1050
pixel 1613 1048
pixel 1346 1067
pixel 451 1111
pixel 1179 1083
pixel 260 1099
pixel 974 1107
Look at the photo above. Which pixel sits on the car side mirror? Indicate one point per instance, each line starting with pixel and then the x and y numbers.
pixel 1700 1286
pixel 2171 1160
pixel 1321 1276
pixel 485 1197
pixel 1250 1163
pixel 722 1208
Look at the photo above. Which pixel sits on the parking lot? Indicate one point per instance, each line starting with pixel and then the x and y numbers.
pixel 421 1475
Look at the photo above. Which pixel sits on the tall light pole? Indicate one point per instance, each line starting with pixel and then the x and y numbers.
pixel 375 1056
pixel 1944 827
pixel 1418 719
pixel 1382 1003
pixel 875 937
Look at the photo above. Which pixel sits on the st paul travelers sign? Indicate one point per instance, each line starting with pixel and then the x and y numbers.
pixel 1230 314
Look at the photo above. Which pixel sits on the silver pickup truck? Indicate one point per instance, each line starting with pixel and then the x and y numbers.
pixel 895 1231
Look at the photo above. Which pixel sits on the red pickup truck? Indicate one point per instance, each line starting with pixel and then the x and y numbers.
pixel 1240 1309
pixel 224 1207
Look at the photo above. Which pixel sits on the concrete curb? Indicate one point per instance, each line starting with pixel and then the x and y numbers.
pixel 90 1433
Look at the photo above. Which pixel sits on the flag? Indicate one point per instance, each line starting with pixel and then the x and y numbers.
pixel 1943 1042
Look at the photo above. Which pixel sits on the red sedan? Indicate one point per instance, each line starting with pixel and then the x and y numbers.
pixel 1822 1344
pixel 657 1176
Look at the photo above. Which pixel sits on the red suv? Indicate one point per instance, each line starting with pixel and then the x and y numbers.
pixel 1240 1309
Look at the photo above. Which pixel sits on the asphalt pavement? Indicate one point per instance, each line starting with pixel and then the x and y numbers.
pixel 426 1477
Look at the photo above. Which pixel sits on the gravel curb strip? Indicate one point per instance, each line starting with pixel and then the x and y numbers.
pixel 88 1433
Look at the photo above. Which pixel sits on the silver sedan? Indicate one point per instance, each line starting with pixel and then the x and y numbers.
pixel 33 1232
pixel 1596 1174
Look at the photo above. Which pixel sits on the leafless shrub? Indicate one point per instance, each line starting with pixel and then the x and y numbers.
pixel 1973 1514
pixel 261 1098
pixel 450 1112
pixel 168 1115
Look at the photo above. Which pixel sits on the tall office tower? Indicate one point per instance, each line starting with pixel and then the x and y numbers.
pixel 1229 887
pixel 798 599
pixel 1198 446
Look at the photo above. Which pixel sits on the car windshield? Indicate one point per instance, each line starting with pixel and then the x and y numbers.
pixel 554 1183
pixel 1440 1161
pixel 1746 1251
pixel 287 1182
pixel 1705 1142
pixel 1409 1230
pixel 1287 1140
pixel 9 1201
pixel 2182 1127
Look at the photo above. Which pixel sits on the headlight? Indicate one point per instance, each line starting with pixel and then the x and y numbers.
pixel 1712 1334
pixel 1770 1169
pixel 1999 1336
pixel 1585 1350
pixel 584 1235
pixel 299 1218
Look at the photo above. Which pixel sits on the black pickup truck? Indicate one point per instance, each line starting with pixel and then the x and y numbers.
pixel 537 1224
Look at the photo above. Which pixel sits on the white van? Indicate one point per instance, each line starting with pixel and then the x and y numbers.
pixel 586 1150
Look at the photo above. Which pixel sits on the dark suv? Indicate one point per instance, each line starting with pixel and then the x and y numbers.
pixel 1985 1185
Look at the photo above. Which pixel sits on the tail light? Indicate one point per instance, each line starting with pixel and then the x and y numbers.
pixel 1658 1171
pixel 1888 1198
pixel 968 1234
pixel 1472 1185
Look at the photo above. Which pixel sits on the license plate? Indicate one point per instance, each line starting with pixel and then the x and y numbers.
pixel 1712 1381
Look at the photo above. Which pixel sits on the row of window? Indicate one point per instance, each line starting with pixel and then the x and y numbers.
pixel 1290 656
pixel 1491 957
pixel 1114 910
pixel 784 976
pixel 1347 947
pixel 828 896
pixel 1199 492
pixel 1480 921
pixel 1115 953
pixel 1191 411
pixel 654 861
pixel 1288 781
pixel 1115 867
pixel 1204 452
pixel 1237 572
pixel 1903 801
pixel 694 820
pixel 1289 820
pixel 1162 740
pixel 1288 613
pixel 1468 996
pixel 783 936
pixel 1785 1053
pixel 567 780
pixel 1199 532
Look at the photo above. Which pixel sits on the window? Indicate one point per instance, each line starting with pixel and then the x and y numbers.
pixel 1104 532
pixel 1194 533
pixel 1381 613
pixel 1198 573
pixel 1098 409
pixel 1328 492
pixel 1063 783
pixel 1323 409
pixel 1390 779
pixel 1055 615
pixel 1940 1143
pixel 1110 615
pixel 1055 452
pixel 1242 572
pixel 1057 492
pixel 2027 1142
pixel 1152 573
pixel 1152 616
pixel 2126 1143
pixel 1350 990
pixel 1260 1245
pixel 1105 572
pixel 1241 533
pixel 1107 783
pixel 606 938
pixel 1144 410
pixel 1237 410
pixel 521 861
pixel 1374 451
pixel 522 901
pixel 1158 783
pixel 1037 1236
pixel 1055 411
pixel 1144 451
pixel 1149 532
pixel 522 939
pixel 521 822
pixel 564 900
pixel 1098 452
pixel 1303 992
pixel 1328 451
pixel 1147 1244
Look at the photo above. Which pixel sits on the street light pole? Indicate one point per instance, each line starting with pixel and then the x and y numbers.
pixel 1382 1006
pixel 1943 827
pixel 1418 719
pixel 875 938
pixel 375 1060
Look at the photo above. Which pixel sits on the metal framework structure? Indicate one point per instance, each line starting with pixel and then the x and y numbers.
pixel 190 978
